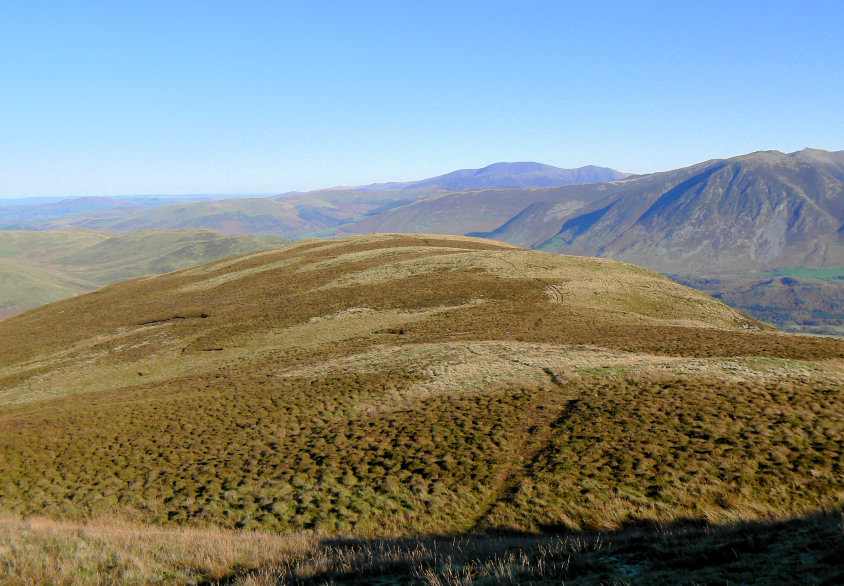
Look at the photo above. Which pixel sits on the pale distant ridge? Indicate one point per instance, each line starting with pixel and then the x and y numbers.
pixel 504 175
pixel 293 214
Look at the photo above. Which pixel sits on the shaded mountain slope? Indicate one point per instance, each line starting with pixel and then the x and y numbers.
pixel 758 211
pixel 478 212
pixel 393 385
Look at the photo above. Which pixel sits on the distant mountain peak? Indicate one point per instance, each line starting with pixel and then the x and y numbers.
pixel 500 176
pixel 807 154
pixel 769 157
pixel 819 156
pixel 517 167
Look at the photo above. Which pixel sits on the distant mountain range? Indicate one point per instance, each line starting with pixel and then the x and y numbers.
pixel 755 212
pixel 501 175
pixel 722 219
pixel 761 211
pixel 764 210
pixel 290 215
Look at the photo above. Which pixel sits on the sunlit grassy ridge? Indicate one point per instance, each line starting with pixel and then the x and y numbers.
pixel 48 245
pixel 21 285
pixel 40 267
pixel 396 385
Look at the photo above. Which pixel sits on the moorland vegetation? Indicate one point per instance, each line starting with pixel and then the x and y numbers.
pixel 362 405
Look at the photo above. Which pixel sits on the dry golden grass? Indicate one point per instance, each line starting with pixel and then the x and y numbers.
pixel 107 551
pixel 39 550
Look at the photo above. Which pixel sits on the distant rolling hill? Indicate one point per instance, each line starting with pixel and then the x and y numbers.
pixel 22 287
pixel 395 386
pixel 39 267
pixel 261 216
pixel 297 214
pixel 31 213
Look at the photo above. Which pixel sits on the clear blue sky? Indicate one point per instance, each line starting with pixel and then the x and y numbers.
pixel 233 97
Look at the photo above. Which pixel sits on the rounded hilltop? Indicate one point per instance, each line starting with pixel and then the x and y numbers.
pixel 508 291
pixel 402 384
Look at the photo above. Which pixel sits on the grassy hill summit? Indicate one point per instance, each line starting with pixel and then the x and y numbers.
pixel 395 386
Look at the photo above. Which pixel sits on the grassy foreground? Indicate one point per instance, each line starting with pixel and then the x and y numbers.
pixel 108 551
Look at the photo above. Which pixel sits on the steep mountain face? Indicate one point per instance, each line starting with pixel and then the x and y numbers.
pixel 762 210
pixel 754 212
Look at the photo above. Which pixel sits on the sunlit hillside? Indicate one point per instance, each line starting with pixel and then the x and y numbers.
pixel 411 386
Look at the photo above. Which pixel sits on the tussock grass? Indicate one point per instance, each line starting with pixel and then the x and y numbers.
pixel 655 447
pixel 369 454
pixel 284 392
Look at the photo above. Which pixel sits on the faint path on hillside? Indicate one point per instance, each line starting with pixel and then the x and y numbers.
pixel 553 409
pixel 552 290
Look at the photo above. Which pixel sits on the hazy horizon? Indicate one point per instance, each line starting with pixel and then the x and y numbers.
pixel 269 98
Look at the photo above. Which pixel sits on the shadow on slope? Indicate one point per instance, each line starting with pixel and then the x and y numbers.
pixel 801 550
